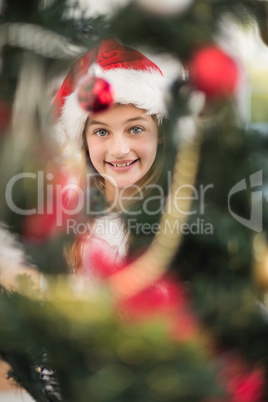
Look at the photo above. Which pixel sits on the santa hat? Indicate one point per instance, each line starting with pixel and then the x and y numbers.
pixel 134 78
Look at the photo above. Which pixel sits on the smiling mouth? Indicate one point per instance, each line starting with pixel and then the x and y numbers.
pixel 122 164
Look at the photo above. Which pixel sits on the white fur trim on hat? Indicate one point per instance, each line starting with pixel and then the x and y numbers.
pixel 143 89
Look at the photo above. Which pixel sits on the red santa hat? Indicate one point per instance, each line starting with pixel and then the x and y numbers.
pixel 134 78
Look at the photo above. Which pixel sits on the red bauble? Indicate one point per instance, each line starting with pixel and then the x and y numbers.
pixel 94 94
pixel 160 298
pixel 213 72
pixel 242 382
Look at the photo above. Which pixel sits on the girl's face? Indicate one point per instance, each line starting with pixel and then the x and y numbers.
pixel 122 144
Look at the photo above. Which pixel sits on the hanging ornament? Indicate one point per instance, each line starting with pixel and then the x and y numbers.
pixel 213 72
pixel 164 8
pixel 94 93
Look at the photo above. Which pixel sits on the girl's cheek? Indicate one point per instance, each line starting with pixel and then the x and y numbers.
pixel 94 146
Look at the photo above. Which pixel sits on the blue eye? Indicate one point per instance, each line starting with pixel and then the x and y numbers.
pixel 136 130
pixel 101 132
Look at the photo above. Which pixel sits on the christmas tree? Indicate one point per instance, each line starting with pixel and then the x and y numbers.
pixel 187 319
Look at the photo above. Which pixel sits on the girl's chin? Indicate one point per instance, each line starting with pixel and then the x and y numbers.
pixel 121 182
pixel 123 186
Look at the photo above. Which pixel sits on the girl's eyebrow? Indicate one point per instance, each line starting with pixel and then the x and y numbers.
pixel 136 118
pixel 91 122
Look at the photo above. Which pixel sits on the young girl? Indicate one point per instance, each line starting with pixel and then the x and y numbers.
pixel 122 143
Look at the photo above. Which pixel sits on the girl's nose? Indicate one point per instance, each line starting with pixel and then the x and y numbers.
pixel 119 146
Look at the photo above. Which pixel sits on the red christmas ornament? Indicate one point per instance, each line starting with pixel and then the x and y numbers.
pixel 242 382
pixel 213 72
pixel 248 387
pixel 164 296
pixel 94 94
